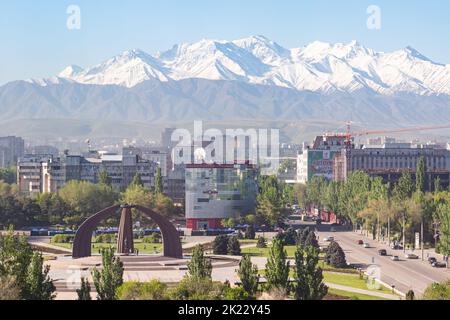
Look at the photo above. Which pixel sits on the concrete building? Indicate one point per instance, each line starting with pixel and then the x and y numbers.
pixel 48 174
pixel 218 191
pixel 390 160
pixel 11 149
pixel 317 159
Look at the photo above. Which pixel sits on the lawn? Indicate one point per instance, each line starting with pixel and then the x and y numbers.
pixel 247 241
pixel 353 295
pixel 353 281
pixel 264 252
pixel 146 248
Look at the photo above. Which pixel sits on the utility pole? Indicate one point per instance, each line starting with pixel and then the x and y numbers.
pixel 404 235
pixel 421 240
pixel 389 232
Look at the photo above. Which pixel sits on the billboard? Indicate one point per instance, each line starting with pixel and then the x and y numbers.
pixel 320 163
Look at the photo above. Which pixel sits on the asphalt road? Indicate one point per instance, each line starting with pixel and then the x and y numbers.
pixel 405 274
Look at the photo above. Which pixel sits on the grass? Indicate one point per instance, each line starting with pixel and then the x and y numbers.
pixel 264 252
pixel 247 241
pixel 352 281
pixel 353 295
pixel 144 248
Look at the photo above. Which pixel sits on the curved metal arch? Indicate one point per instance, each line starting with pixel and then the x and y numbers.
pixel 83 239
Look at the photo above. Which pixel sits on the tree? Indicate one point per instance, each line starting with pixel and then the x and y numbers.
pixel 421 177
pixel 110 277
pixel 137 181
pixel 9 289
pixel 158 182
pixel 410 296
pixel 308 276
pixel 250 233
pixel 199 267
pixel 404 188
pixel 234 247
pixel 438 291
pixel 84 293
pixel 248 275
pixel 15 258
pixel 104 179
pixel 335 256
pixel 8 175
pixel 443 218
pixel 277 267
pixel 39 284
pixel 220 245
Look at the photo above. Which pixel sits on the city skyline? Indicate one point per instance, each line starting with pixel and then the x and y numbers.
pixel 38 31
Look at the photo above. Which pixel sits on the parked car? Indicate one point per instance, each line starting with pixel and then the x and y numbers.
pixel 328 239
pixel 395 258
pixel 382 252
pixel 396 247
pixel 366 245
pixel 411 256
pixel 360 242
pixel 432 260
pixel 439 264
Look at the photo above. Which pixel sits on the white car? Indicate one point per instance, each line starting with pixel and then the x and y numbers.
pixel 366 245
pixel 328 239
pixel 395 258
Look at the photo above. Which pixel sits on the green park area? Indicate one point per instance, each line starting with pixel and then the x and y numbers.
pixel 352 295
pixel 144 248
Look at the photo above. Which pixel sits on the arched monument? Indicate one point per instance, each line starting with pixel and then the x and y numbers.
pixel 125 242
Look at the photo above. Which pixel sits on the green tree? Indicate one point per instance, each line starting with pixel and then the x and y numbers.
pixel 103 178
pixel 137 181
pixel 438 291
pixel 9 289
pixel 443 218
pixel 220 245
pixel 199 267
pixel 248 275
pixel 250 233
pixel 153 290
pixel 308 276
pixel 404 188
pixel 39 285
pixel 84 293
pixel 335 256
pixel 421 176
pixel 234 247
pixel 277 267
pixel 110 277
pixel 158 181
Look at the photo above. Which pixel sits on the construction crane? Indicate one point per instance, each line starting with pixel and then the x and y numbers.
pixel 349 135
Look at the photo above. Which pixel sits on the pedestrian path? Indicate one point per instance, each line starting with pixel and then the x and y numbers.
pixel 361 291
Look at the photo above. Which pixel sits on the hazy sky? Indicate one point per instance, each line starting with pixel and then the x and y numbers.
pixel 35 41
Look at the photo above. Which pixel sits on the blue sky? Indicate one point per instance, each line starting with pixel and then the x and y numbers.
pixel 36 43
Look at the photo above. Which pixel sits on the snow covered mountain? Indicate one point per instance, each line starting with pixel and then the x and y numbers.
pixel 319 67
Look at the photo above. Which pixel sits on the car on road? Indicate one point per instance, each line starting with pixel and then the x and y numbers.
pixel 411 256
pixel 382 252
pixel 360 242
pixel 395 258
pixel 396 247
pixel 328 239
pixel 439 264
pixel 432 260
pixel 366 245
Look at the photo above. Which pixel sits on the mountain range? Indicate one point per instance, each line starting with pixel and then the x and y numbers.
pixel 253 78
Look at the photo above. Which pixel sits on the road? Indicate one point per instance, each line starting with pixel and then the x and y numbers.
pixel 405 274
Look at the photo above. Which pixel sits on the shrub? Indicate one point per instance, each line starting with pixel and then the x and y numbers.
pixel 262 243
pixel 62 238
pixel 153 290
pixel 153 238
pixel 197 289
pixel 438 291
pixel 105 238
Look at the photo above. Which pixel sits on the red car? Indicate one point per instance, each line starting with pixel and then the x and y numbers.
pixel 360 242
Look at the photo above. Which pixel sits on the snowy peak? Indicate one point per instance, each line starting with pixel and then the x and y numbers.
pixel 319 66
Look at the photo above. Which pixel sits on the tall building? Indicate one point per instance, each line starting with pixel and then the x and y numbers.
pixel 11 149
pixel 218 191
pixel 29 174
pixel 390 160
pixel 317 159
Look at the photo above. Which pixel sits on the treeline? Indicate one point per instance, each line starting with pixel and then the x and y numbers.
pixel 75 202
pixel 386 211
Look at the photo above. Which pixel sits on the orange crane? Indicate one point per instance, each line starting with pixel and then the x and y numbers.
pixel 349 135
